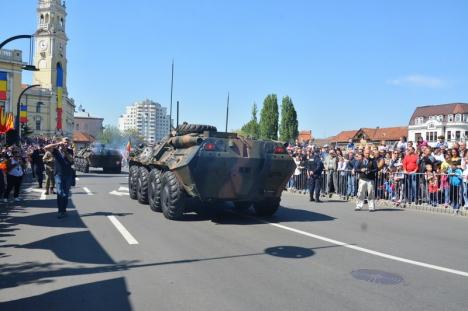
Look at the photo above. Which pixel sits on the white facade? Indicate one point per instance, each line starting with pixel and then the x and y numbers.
pixel 149 118
pixel 453 126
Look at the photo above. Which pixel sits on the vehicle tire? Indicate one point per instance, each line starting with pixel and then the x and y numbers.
pixel 117 170
pixel 172 197
pixel 242 206
pixel 132 181
pixel 142 188
pixel 154 190
pixel 266 207
pixel 187 128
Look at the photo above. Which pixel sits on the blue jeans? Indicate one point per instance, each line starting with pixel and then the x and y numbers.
pixel 351 185
pixel 411 187
pixel 63 184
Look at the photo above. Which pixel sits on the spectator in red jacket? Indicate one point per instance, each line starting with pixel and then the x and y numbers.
pixel 410 168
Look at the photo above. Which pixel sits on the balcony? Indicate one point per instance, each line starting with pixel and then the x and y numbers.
pixel 11 56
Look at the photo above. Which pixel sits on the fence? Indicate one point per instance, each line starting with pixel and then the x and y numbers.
pixel 419 188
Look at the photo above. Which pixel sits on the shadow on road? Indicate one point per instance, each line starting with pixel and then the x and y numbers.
pixel 104 295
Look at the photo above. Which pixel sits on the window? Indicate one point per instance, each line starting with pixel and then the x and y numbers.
pixel 466 135
pixel 77 127
pixel 416 136
pixel 38 124
pixel 450 117
pixel 38 107
pixel 2 104
pixel 457 135
pixel 449 135
pixel 458 118
pixel 440 118
pixel 431 126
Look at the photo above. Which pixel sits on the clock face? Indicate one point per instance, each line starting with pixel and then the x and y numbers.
pixel 43 45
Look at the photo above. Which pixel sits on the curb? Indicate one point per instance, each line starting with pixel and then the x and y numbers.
pixel 385 203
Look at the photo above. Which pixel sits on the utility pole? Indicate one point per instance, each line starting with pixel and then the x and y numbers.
pixel 227 113
pixel 177 114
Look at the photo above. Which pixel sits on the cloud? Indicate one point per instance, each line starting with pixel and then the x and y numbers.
pixel 418 80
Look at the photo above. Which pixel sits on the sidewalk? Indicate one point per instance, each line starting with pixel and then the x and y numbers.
pixel 390 204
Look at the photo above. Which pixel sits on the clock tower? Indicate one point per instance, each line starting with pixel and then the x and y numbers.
pixel 50 46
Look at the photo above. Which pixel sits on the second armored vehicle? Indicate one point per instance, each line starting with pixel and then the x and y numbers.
pixel 97 155
pixel 197 162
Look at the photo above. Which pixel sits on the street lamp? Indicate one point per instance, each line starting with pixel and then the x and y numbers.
pixel 17 121
pixel 29 66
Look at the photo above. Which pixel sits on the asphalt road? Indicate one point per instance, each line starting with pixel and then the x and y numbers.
pixel 307 257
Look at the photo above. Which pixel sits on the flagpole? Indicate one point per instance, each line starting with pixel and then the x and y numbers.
pixel 227 113
pixel 172 88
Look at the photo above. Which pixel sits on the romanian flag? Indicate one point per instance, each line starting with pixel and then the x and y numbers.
pixel 59 96
pixel 24 114
pixel 3 85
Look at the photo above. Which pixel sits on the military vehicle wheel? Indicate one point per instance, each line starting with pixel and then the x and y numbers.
pixel 132 181
pixel 186 128
pixel 242 206
pixel 117 170
pixel 142 188
pixel 154 190
pixel 172 197
pixel 266 207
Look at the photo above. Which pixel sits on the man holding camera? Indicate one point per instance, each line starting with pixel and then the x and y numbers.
pixel 63 171
pixel 366 169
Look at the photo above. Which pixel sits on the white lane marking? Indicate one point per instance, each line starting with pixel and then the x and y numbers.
pixel 123 188
pixel 124 232
pixel 41 191
pixel 118 193
pixel 365 250
pixel 88 192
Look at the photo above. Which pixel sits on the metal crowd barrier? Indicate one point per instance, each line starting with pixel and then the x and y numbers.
pixel 400 188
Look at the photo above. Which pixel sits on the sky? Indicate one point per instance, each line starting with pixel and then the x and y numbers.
pixel 345 64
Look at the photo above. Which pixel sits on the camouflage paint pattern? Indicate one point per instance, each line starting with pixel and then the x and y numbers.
pixel 221 166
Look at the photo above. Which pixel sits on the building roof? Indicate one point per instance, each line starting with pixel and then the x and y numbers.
pixel 344 136
pixel 85 114
pixel 387 133
pixel 305 136
pixel 373 134
pixel 435 110
pixel 82 137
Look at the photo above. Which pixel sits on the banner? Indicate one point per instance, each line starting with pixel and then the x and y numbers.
pixel 3 85
pixel 24 114
pixel 59 96
pixel 7 122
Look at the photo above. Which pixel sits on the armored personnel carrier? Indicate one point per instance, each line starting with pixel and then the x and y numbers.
pixel 196 162
pixel 98 155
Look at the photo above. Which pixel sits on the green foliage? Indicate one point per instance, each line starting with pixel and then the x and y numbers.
pixel 269 118
pixel 289 124
pixel 112 136
pixel 251 128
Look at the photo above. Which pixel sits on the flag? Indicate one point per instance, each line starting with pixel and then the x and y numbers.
pixel 6 121
pixel 3 85
pixel 59 84
pixel 24 114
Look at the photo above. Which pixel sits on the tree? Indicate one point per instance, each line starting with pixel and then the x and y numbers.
pixel 251 128
pixel 111 135
pixel 289 125
pixel 269 118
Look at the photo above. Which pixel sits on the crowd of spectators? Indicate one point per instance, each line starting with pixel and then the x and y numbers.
pixel 407 172
pixel 17 160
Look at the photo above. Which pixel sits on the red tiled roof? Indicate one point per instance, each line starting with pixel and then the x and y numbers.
pixel 304 136
pixel 344 136
pixel 388 133
pixel 435 110
pixel 81 137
